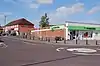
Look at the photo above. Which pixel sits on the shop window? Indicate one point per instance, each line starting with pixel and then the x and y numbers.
pixel 91 34
pixel 86 34
pixel 96 33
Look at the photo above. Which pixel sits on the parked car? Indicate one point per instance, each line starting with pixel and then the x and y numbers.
pixel 59 38
pixel 3 34
pixel 13 34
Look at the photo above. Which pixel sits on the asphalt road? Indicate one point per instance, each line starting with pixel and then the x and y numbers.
pixel 20 53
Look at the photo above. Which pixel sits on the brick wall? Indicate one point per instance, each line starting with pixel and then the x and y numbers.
pixel 51 34
pixel 25 29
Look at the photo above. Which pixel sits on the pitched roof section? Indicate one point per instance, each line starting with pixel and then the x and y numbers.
pixel 21 21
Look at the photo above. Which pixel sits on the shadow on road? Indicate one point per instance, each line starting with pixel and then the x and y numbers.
pixel 51 60
pixel 1 40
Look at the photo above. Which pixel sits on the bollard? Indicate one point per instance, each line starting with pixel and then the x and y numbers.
pixel 76 41
pixel 96 42
pixel 33 37
pixel 22 36
pixel 64 41
pixel 48 39
pixel 86 42
pixel 26 36
pixel 30 37
pixel 42 38
pixel 56 38
pixel 56 41
pixel 39 38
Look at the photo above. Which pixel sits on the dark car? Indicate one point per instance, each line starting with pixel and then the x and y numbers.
pixel 59 38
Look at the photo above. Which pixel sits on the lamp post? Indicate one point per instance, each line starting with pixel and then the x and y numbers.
pixel 64 34
pixel 5 19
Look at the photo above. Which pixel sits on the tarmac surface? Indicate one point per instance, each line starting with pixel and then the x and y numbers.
pixel 23 53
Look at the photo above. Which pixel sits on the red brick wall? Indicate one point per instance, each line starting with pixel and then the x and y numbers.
pixel 55 33
pixel 49 33
pixel 27 28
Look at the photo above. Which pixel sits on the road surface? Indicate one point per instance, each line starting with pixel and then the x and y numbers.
pixel 20 53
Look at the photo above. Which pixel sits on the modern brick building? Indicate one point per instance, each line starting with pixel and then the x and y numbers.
pixel 71 31
pixel 19 26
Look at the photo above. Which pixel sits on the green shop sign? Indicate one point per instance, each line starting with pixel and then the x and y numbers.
pixel 83 28
pixel 57 27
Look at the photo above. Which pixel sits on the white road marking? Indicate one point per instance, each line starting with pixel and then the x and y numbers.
pixel 53 46
pixel 97 49
pixel 5 36
pixel 58 49
pixel 29 43
pixel 85 50
pixel 85 54
pixel 2 45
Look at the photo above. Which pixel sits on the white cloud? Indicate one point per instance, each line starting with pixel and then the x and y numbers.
pixel 5 13
pixel 45 1
pixel 94 10
pixel 63 12
pixel 34 5
pixel 30 3
pixel 36 23
pixel 18 1
pixel 11 1
pixel 26 1
pixel 8 0
pixel 1 16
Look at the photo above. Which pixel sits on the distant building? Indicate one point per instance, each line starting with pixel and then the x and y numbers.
pixel 19 26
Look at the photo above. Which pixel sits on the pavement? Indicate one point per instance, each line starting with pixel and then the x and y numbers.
pixel 69 43
pixel 21 53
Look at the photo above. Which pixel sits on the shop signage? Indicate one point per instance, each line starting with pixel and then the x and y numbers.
pixel 57 27
pixel 88 28
pixel 83 28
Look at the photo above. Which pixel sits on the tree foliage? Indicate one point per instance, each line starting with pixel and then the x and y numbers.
pixel 44 21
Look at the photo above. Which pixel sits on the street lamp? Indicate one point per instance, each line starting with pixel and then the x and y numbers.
pixel 5 19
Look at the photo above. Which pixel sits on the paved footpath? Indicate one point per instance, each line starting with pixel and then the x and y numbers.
pixel 53 42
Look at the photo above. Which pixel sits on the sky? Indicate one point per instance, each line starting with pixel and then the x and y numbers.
pixel 58 11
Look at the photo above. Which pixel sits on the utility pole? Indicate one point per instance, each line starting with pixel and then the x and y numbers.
pixel 64 34
pixel 5 18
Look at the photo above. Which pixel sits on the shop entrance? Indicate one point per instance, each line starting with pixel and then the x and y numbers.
pixel 72 35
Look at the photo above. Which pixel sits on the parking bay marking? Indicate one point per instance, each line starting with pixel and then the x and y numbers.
pixel 2 45
pixel 29 43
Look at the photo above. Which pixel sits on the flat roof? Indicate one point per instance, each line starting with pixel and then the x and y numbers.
pixel 82 23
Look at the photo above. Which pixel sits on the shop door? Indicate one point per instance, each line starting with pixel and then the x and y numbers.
pixel 72 35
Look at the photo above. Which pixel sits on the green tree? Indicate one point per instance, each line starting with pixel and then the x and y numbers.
pixel 44 21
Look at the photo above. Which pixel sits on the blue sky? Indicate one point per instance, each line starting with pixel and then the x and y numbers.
pixel 58 11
